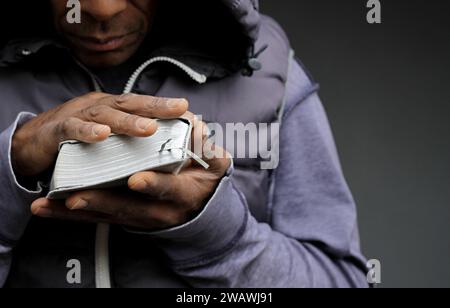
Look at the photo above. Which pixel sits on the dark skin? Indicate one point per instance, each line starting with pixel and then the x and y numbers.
pixel 110 33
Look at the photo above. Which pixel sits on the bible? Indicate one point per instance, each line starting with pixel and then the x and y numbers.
pixel 110 163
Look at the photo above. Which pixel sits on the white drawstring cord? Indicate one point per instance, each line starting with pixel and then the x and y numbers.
pixel 102 269
pixel 102 265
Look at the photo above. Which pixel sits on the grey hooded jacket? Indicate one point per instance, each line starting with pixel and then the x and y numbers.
pixel 293 226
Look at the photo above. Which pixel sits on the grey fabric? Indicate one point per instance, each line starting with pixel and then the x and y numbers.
pixel 303 234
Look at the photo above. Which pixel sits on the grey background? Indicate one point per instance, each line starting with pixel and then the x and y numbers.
pixel 387 92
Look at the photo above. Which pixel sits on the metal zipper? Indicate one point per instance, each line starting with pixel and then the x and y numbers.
pixel 196 76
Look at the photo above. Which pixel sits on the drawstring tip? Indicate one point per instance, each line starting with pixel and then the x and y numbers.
pixel 253 64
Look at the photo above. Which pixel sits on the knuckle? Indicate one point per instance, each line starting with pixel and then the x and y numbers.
pixel 84 130
pixel 122 100
pixel 152 103
pixel 80 131
pixel 127 123
pixel 130 119
pixel 159 101
pixel 93 112
pixel 93 96
pixel 119 102
pixel 65 127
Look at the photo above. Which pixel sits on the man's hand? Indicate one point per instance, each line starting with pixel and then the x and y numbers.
pixel 90 118
pixel 152 200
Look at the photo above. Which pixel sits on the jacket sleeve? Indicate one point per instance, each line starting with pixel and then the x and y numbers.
pixel 312 239
pixel 15 200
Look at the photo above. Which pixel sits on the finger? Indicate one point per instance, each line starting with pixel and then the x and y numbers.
pixel 105 201
pixel 218 159
pixel 197 124
pixel 121 122
pixel 77 129
pixel 200 134
pixel 163 186
pixel 147 106
pixel 45 208
pixel 128 208
pixel 189 190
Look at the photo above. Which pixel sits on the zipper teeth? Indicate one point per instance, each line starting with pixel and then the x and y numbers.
pixel 199 78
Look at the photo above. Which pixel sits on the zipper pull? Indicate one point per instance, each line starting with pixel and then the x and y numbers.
pixel 253 64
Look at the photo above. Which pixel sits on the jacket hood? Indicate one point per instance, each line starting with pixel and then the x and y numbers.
pixel 246 13
pixel 215 36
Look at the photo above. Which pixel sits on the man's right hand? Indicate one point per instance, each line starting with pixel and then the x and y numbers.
pixel 90 118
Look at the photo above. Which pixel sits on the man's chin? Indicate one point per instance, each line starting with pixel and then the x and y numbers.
pixel 105 59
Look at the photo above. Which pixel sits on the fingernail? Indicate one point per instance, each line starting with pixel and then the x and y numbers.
pixel 44 212
pixel 144 124
pixel 175 103
pixel 80 204
pixel 99 129
pixel 137 185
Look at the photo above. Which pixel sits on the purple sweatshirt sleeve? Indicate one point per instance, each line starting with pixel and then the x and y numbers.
pixel 312 240
pixel 15 199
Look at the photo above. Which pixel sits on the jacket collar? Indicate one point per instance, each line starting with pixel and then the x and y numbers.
pixel 17 51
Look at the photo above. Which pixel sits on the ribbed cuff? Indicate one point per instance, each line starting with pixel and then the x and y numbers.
pixel 15 199
pixel 212 234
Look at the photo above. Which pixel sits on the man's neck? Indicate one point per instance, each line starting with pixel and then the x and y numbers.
pixel 114 78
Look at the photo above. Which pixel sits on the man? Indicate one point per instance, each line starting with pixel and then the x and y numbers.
pixel 233 225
